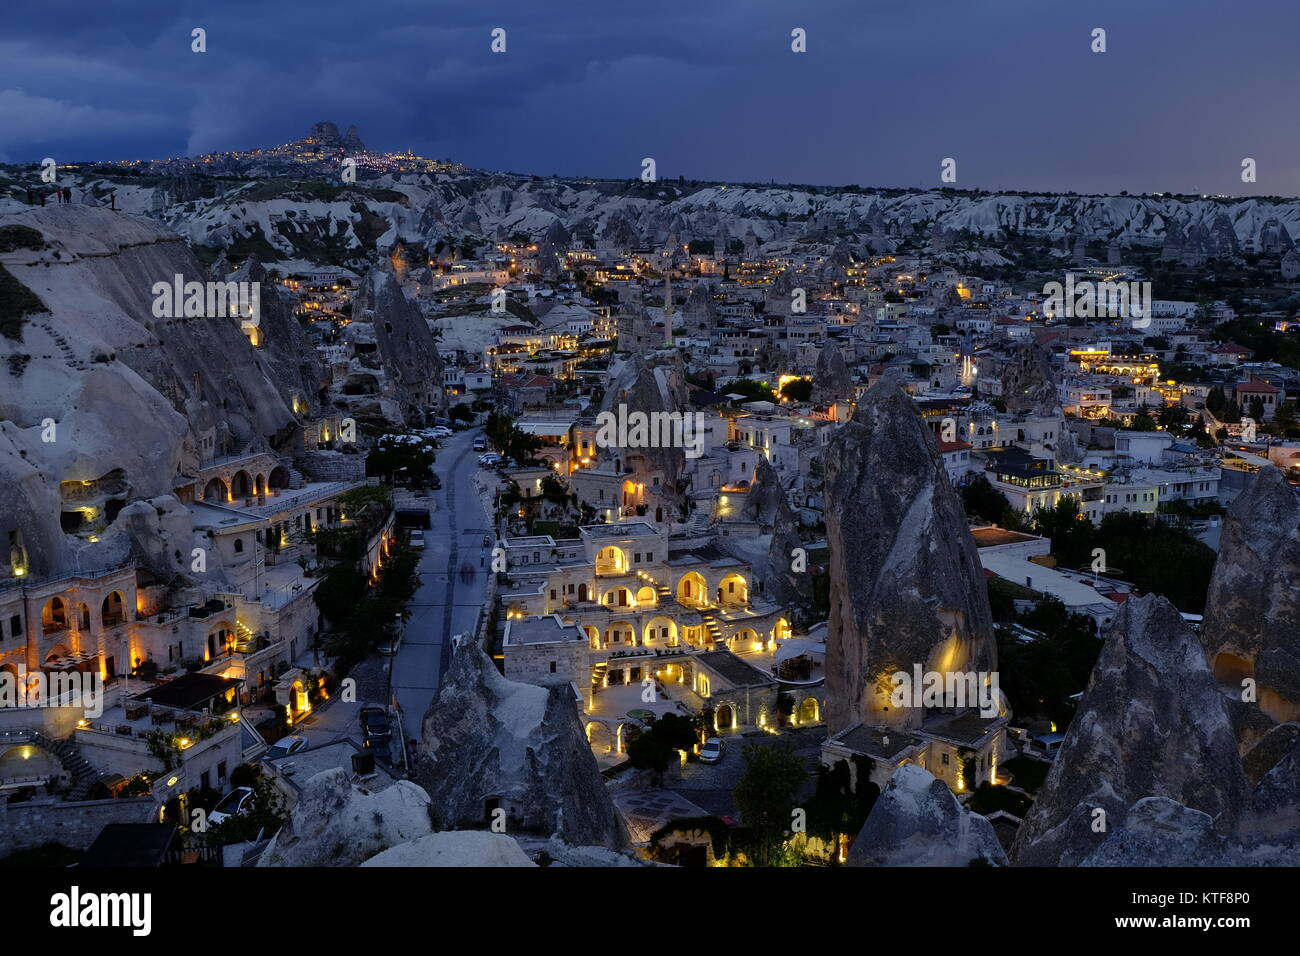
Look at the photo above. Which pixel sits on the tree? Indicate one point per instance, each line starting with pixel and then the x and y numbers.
pixel 798 390
pixel 981 500
pixel 1068 528
pixel 1172 417
pixel 656 747
pixel 400 458
pixel 751 390
pixel 765 797
pixel 1143 422
pixel 507 438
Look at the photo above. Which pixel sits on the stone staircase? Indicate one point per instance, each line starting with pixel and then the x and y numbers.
pixel 700 522
pixel 295 478
pixel 69 356
pixel 83 772
pixel 711 625
pixel 245 639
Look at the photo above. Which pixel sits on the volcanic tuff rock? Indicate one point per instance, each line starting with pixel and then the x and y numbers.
pixel 1151 723
pixel 488 739
pixel 906 583
pixel 338 823
pixel 767 506
pixel 1252 609
pixel 454 848
pixel 1158 831
pixel 641 388
pixel 918 822
pixel 128 391
pixel 1028 385
pixel 406 346
pixel 832 380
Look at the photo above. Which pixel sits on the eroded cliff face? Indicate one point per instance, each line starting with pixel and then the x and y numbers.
pixel 406 348
pixel 832 380
pixel 1152 723
pixel 489 742
pixel 637 388
pixel 906 582
pixel 918 822
pixel 1252 610
pixel 767 506
pixel 337 822
pixel 1028 385
pixel 97 385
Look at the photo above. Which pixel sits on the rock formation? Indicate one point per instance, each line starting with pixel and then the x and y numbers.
pixel 767 506
pixel 1252 610
pixel 832 380
pixel 490 743
pixel 339 823
pixel 1028 385
pixel 140 396
pixel 405 345
pixel 636 387
pixel 454 848
pixel 1158 831
pixel 1151 723
pixel 906 583
pixel 918 822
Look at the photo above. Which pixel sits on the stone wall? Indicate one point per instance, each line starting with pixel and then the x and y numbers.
pixel 73 824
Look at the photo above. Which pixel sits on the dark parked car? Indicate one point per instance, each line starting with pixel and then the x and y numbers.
pixel 375 723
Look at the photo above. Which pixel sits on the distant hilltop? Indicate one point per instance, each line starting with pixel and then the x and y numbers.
pixel 327 134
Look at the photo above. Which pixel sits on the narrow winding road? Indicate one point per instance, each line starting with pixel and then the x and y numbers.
pixel 444 605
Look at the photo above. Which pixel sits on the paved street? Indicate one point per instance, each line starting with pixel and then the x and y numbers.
pixel 444 605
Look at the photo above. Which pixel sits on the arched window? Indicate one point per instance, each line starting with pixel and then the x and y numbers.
pixel 112 611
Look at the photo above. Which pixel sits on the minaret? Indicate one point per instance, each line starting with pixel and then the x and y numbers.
pixel 668 303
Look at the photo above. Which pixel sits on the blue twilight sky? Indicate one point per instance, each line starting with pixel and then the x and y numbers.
pixel 709 88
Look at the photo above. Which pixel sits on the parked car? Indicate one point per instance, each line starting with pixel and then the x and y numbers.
pixel 713 750
pixel 375 724
pixel 237 801
pixel 285 746
pixel 435 482
pixel 1046 746
pixel 441 431
pixel 490 460
pixel 417 538
pixel 480 443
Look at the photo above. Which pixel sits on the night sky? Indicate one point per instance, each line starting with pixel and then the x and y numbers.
pixel 709 88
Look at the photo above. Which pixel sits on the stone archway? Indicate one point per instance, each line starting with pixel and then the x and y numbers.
pixel 241 485
pixel 215 490
pixel 660 632
pixel 611 560
pixel 745 639
pixel 54 615
pixel 733 591
pixel 692 590
pixel 112 611
pixel 809 711
pixel 724 718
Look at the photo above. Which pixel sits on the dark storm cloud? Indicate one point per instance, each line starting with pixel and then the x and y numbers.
pixel 709 89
